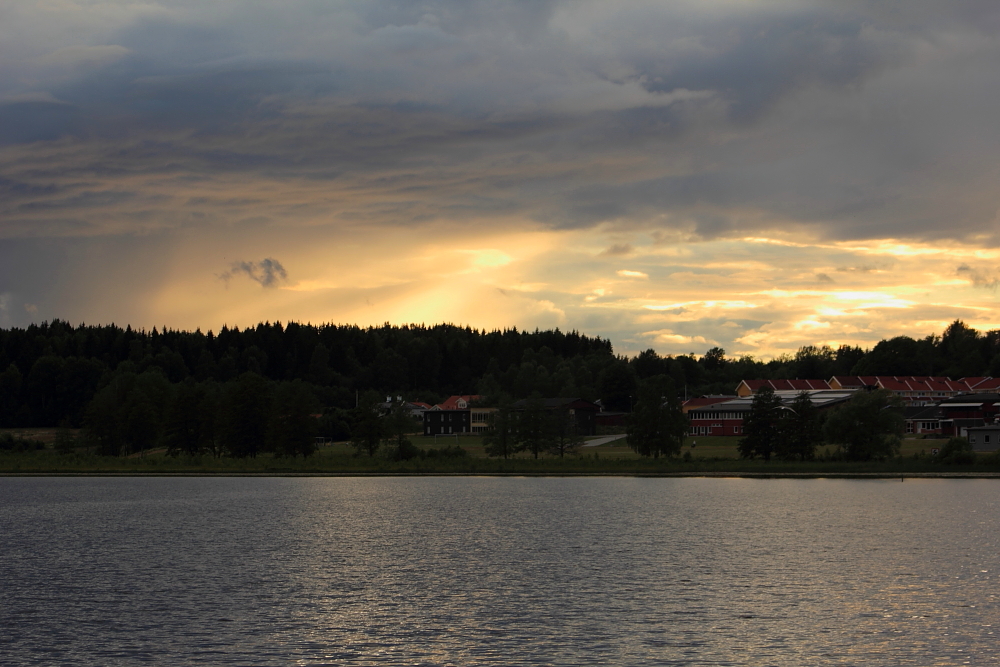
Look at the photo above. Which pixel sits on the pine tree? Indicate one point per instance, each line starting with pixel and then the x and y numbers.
pixel 760 428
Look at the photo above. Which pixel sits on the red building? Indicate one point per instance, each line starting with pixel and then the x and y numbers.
pixel 970 410
pixel 726 417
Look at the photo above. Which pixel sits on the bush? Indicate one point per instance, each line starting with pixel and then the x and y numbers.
pixel 16 443
pixel 957 451
pixel 451 452
pixel 65 441
pixel 406 450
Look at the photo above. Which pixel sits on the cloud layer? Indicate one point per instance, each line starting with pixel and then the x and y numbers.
pixel 667 174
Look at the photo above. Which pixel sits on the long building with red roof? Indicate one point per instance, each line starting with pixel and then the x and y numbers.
pixel 914 389
pixel 750 387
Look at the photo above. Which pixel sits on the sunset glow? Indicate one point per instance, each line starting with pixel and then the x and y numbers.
pixel 645 173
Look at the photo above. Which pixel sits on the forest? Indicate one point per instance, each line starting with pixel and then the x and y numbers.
pixel 136 386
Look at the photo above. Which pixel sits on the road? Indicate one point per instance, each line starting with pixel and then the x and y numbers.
pixel 604 439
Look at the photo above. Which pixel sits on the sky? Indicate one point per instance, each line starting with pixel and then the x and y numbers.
pixel 752 175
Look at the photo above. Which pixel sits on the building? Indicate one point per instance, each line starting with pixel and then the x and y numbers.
pixel 914 389
pixel 726 417
pixel 984 438
pixel 960 413
pixel 481 419
pixel 923 419
pixel 922 391
pixel 584 412
pixel 447 422
pixel 455 415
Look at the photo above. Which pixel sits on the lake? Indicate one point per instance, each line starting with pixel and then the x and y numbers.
pixel 498 571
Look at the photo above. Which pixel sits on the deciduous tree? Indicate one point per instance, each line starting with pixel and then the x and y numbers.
pixel 566 436
pixel 367 425
pixel 800 431
pixel 868 427
pixel 657 425
pixel 534 427
pixel 501 439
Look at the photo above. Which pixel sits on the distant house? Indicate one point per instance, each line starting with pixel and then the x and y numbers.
pixel 923 419
pixel 921 390
pixel 913 389
pixel 415 408
pixel 726 417
pixel 457 402
pixel 984 438
pixel 584 412
pixel 447 422
pixel 960 413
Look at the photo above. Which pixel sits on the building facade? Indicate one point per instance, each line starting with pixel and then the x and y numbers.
pixel 447 422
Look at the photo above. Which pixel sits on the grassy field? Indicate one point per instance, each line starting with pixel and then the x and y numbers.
pixel 701 456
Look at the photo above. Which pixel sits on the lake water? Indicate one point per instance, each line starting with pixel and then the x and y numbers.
pixel 498 571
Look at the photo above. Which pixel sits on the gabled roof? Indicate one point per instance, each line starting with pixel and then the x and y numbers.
pixel 452 402
pixel 917 383
pixel 706 400
pixel 786 385
pixel 893 384
pixel 854 381
pixel 983 383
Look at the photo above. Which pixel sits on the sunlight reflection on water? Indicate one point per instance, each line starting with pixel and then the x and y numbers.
pixel 483 570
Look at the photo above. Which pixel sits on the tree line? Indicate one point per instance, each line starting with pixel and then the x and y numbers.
pixel 51 372
pixel 249 415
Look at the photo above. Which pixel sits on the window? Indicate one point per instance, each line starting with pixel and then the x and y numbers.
pixel 986 439
pixel 972 439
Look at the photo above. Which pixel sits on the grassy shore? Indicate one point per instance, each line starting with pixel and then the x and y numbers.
pixel 707 456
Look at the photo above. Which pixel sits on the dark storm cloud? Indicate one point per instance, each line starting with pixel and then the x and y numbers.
pixel 713 119
pixel 268 272
pixel 618 249
pixel 755 57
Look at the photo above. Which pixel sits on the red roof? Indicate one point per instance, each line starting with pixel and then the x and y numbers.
pixel 705 400
pixel 893 385
pixel 451 403
pixel 984 384
pixel 902 382
pixel 851 381
pixel 787 385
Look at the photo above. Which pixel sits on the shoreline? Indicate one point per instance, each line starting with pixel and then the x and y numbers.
pixel 718 474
